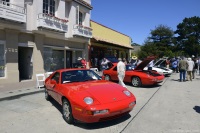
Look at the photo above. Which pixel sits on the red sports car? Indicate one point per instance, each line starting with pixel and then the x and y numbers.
pixel 137 76
pixel 86 97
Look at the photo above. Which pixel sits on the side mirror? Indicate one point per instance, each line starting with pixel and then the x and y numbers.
pixel 53 82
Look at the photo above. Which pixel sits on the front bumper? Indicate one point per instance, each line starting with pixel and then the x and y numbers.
pixel 116 109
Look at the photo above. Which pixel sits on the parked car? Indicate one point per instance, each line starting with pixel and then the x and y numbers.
pixel 136 76
pixel 159 67
pixel 87 97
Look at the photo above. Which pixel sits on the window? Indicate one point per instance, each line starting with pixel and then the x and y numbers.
pixel 2 60
pixel 6 2
pixel 53 59
pixel 80 16
pixel 49 7
pixel 56 77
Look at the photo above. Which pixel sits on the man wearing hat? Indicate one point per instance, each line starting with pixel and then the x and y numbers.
pixel 134 61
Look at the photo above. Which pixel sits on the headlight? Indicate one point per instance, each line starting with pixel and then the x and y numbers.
pixel 127 93
pixel 88 100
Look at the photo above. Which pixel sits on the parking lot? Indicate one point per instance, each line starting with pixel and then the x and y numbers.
pixel 170 107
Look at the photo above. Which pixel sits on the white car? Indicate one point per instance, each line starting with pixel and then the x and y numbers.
pixel 159 67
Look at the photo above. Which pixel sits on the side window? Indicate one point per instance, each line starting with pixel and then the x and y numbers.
pixel 56 77
pixel 115 69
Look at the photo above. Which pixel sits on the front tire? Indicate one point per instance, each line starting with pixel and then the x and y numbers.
pixel 136 82
pixel 67 111
pixel 47 96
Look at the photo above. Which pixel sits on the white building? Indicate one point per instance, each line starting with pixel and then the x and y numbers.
pixel 38 36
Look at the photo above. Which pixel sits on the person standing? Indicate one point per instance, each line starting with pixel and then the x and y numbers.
pixel 121 68
pixel 125 62
pixel 174 65
pixel 150 65
pixel 84 63
pixel 183 65
pixel 190 68
pixel 195 67
pixel 104 64
pixel 167 63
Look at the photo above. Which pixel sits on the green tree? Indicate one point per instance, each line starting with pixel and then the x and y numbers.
pixel 188 36
pixel 159 44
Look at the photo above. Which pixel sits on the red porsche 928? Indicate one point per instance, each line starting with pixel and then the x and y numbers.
pixel 136 76
pixel 86 97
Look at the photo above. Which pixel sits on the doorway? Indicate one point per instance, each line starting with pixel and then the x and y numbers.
pixel 68 59
pixel 25 63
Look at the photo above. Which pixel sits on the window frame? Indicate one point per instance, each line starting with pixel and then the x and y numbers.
pixel 80 16
pixel 4 47
pixel 50 6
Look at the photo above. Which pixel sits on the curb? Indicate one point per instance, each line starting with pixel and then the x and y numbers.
pixel 16 96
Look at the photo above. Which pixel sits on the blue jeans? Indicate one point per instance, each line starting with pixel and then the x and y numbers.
pixel 182 74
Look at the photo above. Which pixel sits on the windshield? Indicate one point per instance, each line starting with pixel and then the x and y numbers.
pixel 112 59
pixel 79 76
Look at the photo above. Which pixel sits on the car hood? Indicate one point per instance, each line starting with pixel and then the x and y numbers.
pixel 103 91
pixel 144 63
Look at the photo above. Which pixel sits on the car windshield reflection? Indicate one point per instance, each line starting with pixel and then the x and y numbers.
pixel 79 76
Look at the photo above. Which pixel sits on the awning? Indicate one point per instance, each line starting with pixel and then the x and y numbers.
pixel 111 42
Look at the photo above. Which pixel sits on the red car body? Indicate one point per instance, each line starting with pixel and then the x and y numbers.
pixel 137 76
pixel 110 100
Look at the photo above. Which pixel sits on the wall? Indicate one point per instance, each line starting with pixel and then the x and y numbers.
pixel 109 35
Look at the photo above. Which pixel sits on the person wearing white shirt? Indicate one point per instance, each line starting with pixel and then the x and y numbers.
pixel 150 65
pixel 121 68
pixel 190 68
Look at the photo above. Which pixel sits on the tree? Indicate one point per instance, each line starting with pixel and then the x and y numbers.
pixel 159 43
pixel 188 39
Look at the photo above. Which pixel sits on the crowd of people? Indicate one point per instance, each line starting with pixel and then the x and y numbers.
pixel 187 67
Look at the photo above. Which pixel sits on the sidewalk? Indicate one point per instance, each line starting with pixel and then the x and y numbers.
pixel 9 91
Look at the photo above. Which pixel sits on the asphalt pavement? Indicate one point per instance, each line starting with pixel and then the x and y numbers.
pixel 170 107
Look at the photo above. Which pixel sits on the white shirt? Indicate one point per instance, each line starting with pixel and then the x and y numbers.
pixel 121 67
pixel 190 65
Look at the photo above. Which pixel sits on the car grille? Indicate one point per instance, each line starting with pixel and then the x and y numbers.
pixel 113 117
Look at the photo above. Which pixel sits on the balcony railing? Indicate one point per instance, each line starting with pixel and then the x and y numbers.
pixel 52 23
pixel 12 12
pixel 81 30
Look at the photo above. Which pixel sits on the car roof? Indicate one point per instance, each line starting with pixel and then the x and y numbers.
pixel 70 69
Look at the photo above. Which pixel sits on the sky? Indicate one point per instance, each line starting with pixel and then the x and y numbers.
pixel 136 18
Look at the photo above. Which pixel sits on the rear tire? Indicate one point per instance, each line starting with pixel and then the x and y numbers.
pixel 107 77
pixel 136 82
pixel 67 112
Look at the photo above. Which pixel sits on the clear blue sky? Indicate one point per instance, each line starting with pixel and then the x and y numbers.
pixel 136 18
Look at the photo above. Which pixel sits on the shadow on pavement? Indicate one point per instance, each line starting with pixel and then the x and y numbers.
pixel 97 125
pixel 175 80
pixel 197 109
pixel 104 124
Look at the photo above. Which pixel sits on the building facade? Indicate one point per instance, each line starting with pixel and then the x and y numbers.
pixel 107 42
pixel 39 36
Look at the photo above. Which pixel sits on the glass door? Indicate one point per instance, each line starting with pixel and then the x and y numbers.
pixel 68 59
